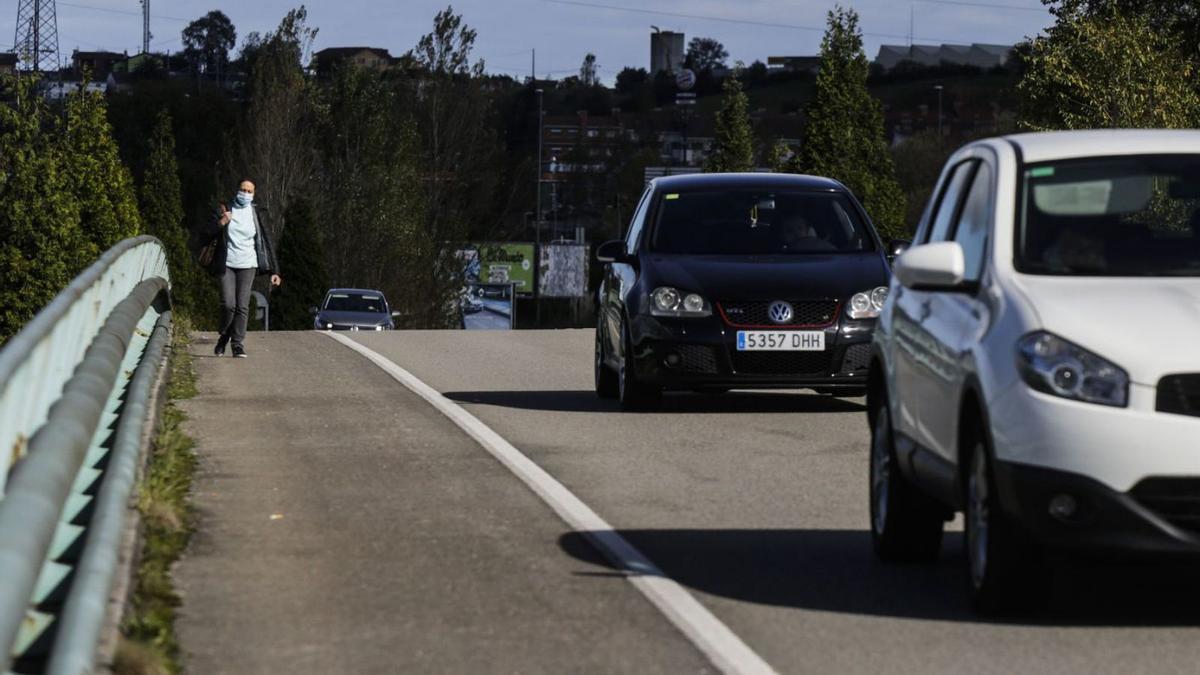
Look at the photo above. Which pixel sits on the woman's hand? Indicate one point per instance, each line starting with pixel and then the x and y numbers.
pixel 276 280
pixel 225 216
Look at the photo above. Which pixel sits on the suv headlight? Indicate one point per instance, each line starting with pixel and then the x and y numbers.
pixel 1054 366
pixel 667 301
pixel 868 304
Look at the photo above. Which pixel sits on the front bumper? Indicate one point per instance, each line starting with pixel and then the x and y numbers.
pixel 1158 517
pixel 351 327
pixel 702 353
pixel 1118 447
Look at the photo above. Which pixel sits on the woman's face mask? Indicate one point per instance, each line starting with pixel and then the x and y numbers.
pixel 244 198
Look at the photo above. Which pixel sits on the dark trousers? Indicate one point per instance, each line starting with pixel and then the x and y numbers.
pixel 235 303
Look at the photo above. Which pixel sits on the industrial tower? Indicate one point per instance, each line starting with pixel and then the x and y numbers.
pixel 36 41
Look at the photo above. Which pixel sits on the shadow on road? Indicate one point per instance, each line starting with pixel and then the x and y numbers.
pixel 735 402
pixel 835 571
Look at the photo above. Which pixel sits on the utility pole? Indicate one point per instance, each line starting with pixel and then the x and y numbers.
pixel 537 223
pixel 146 26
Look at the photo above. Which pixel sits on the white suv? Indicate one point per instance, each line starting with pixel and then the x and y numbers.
pixel 1037 362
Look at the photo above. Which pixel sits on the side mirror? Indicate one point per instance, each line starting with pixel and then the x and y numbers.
pixel 932 267
pixel 395 314
pixel 612 251
pixel 313 310
pixel 897 246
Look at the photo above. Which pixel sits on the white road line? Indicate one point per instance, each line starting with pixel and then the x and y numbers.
pixel 724 648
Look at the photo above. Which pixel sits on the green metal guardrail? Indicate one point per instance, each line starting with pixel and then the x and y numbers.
pixel 84 367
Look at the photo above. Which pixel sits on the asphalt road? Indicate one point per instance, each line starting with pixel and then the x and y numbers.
pixel 754 502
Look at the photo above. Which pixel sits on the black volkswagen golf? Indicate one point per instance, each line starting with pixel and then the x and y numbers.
pixel 740 281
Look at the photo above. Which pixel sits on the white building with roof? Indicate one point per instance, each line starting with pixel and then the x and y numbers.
pixel 979 55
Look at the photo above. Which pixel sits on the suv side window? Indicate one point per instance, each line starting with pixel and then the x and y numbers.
pixel 639 219
pixel 974 225
pixel 948 202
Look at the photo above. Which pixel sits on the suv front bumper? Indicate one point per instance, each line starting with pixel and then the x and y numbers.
pixel 1133 473
pixel 1148 521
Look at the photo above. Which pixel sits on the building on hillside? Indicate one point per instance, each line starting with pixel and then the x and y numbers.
pixel 373 58
pixel 666 51
pixel 960 119
pixel 99 63
pixel 689 142
pixel 579 143
pixel 794 64
pixel 979 55
pixel 141 62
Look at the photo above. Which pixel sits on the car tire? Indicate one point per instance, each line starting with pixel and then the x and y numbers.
pixel 634 396
pixel 606 379
pixel 906 525
pixel 1007 571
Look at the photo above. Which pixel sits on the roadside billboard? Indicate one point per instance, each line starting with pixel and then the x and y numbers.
pixel 488 307
pixel 496 263
pixel 564 270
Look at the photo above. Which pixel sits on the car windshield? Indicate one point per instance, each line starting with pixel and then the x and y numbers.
pixel 356 302
pixel 758 222
pixel 1123 216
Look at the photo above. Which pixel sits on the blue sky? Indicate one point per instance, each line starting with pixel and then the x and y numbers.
pixel 562 31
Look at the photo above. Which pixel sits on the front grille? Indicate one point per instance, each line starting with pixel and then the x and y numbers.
pixel 697 359
pixel 857 358
pixel 1175 500
pixel 1179 394
pixel 755 313
pixel 781 363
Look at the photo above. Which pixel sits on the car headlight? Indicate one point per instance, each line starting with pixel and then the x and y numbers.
pixel 1054 366
pixel 667 301
pixel 868 304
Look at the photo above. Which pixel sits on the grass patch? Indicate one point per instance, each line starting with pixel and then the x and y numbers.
pixel 149 645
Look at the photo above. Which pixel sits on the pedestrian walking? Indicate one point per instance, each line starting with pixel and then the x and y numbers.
pixel 241 251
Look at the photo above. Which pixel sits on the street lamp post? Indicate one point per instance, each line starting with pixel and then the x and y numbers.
pixel 537 225
pixel 939 87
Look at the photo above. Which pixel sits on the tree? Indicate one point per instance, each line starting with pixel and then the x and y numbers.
pixel 207 41
pixel 42 245
pixel 587 72
pixel 370 162
pixel 162 212
pixel 631 80
pixel 301 256
pixel 101 183
pixel 705 54
pixel 455 143
pixel 1108 70
pixel 844 137
pixel 276 149
pixel 733 149
pixel 447 50
pixel 1178 18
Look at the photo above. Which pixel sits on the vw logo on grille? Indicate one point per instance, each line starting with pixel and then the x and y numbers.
pixel 781 312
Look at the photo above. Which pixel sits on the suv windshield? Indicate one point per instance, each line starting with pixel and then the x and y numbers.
pixel 758 222
pixel 1122 216
pixel 356 302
